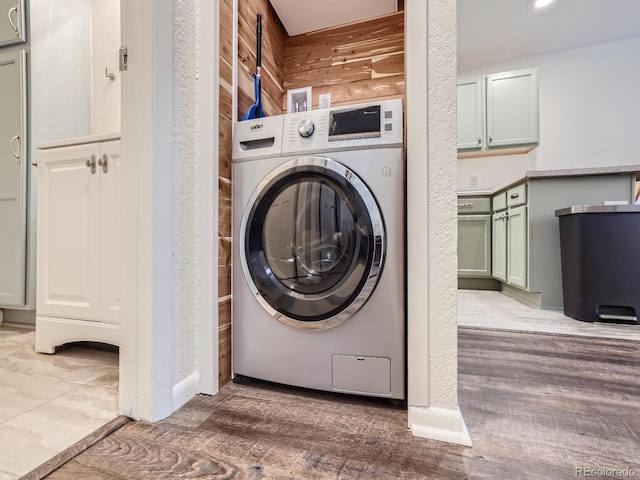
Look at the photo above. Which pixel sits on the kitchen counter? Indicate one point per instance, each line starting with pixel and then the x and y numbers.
pixel 567 172
pixel 525 235
pixel 66 142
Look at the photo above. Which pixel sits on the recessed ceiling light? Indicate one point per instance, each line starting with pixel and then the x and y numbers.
pixel 541 3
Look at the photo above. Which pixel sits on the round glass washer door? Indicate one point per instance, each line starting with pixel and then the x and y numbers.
pixel 312 243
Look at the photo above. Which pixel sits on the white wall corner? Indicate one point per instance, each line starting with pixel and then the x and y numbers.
pixel 185 390
pixel 441 424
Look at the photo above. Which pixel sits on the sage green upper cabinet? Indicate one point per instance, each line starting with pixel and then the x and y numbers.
pixel 12 22
pixel 499 110
pixel 470 114
pixel 512 108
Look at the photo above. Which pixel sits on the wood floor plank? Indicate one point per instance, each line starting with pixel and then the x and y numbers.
pixel 536 406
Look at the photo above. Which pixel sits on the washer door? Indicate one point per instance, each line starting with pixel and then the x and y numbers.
pixel 312 243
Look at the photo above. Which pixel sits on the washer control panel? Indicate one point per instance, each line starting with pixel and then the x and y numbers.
pixel 344 128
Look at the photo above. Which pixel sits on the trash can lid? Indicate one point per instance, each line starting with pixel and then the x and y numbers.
pixel 597 209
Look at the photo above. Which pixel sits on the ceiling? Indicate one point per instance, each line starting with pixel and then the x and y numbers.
pixel 301 17
pixel 491 32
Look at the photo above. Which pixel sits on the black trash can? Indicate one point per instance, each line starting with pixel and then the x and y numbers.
pixel 600 254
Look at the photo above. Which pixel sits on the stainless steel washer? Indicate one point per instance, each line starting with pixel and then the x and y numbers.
pixel 318 266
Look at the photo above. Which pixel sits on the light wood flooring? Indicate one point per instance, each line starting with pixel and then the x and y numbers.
pixel 537 406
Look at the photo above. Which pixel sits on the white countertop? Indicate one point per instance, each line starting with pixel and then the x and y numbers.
pixel 567 172
pixel 66 142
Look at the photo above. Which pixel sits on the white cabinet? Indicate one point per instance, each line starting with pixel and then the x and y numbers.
pixel 13 178
pixel 12 22
pixel 78 244
pixel 499 110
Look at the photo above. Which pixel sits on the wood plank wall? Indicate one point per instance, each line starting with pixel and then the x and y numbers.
pixel 272 57
pixel 355 63
pixel 224 192
pixel 273 37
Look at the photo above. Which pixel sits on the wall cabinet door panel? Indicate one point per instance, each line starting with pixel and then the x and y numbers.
pixel 512 108
pixel 470 114
pixel 13 179
pixel 12 22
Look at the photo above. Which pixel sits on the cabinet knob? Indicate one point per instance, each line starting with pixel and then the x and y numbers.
pixel 465 205
pixel 91 163
pixel 514 195
pixel 490 139
pixel 479 140
pixel 104 162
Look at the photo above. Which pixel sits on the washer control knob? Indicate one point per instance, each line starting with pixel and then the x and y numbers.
pixel 306 128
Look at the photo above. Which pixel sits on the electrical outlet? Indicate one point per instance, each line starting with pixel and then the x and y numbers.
pixel 473 181
pixel 324 100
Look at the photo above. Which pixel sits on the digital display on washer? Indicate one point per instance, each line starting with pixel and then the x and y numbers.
pixel 357 123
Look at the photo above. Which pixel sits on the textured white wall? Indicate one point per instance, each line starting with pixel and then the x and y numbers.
pixel 432 221
pixel 105 43
pixel 186 170
pixel 589 105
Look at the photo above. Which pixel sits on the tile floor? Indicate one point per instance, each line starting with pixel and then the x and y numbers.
pixel 49 402
pixel 495 310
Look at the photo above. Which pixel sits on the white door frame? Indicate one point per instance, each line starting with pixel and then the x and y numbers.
pixel 147 351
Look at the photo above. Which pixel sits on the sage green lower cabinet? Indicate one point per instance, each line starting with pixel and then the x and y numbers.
pixel 474 237
pixel 474 246
pixel 509 247
pixel 499 246
pixel 517 246
pixel 526 233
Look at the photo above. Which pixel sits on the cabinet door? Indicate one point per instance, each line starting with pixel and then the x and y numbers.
pixel 68 233
pixel 470 114
pixel 110 214
pixel 474 246
pixel 517 247
pixel 12 22
pixel 13 179
pixel 499 246
pixel 512 108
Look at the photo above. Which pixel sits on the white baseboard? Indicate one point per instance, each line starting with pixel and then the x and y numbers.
pixel 185 390
pixel 441 424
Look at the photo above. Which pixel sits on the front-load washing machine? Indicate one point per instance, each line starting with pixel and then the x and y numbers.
pixel 318 297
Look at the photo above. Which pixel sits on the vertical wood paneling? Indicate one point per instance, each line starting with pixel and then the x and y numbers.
pixel 224 341
pixel 273 37
pixel 224 191
pixel 354 63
